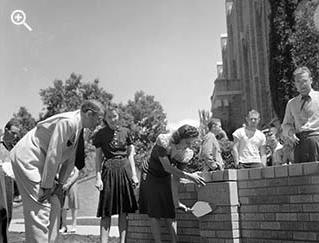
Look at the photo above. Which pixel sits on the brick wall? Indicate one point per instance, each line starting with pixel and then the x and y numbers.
pixel 279 204
pixel 268 205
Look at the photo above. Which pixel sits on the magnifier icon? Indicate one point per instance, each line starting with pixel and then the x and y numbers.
pixel 18 17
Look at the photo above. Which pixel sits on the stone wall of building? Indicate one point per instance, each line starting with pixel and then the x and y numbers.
pixel 245 55
pixel 274 205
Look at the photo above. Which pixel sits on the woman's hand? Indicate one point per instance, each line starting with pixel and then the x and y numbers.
pixel 135 181
pixel 99 184
pixel 197 179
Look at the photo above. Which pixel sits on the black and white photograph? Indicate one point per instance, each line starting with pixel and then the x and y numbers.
pixel 190 121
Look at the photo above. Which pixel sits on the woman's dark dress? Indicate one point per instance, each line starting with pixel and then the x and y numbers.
pixel 117 195
pixel 156 198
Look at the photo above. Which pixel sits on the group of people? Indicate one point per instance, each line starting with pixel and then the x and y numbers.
pixel 296 140
pixel 42 162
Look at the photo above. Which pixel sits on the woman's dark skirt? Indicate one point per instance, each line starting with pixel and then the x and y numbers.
pixel 155 198
pixel 117 196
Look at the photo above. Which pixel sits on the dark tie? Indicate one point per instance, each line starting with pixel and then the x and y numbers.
pixel 80 153
pixel 304 100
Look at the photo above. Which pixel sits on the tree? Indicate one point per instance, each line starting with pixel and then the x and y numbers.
pixel 68 96
pixel 25 120
pixel 145 117
pixel 282 23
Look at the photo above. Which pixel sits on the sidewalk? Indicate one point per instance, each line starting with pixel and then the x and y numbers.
pixel 86 226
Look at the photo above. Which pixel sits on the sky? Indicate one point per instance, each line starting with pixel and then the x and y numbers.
pixel 167 48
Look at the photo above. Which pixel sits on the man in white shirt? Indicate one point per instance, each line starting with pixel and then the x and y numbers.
pixel 301 121
pixel 249 143
pixel 46 151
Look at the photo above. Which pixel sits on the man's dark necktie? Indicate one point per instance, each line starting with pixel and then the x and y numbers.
pixel 304 100
pixel 80 153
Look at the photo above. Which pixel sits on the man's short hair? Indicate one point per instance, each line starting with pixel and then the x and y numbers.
pixel 92 105
pixel 214 121
pixel 253 112
pixel 300 70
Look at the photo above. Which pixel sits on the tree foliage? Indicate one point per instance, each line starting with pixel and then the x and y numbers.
pixel 25 120
pixel 68 95
pixel 145 117
pixel 282 23
pixel 293 42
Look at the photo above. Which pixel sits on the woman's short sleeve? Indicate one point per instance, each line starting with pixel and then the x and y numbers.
pixel 97 139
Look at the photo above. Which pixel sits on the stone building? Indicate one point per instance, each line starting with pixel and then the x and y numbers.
pixel 242 83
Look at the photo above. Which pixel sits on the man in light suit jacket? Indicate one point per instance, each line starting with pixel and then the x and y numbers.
pixel 43 153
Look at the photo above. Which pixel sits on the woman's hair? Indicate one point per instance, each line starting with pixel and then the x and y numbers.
pixel 184 132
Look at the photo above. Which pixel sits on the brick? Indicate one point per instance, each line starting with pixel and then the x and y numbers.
pixel 247 192
pixel 252 216
pixel 270 216
pixel 268 208
pixel 311 168
pixel 313 207
pixel 287 190
pixel 314 216
pixel 314 179
pixel 304 180
pixel 311 226
pixel 207 233
pixel 300 198
pixel 256 183
pixel 268 199
pixel 270 225
pixel 286 216
pixel 295 170
pixel 249 225
pixel 268 172
pixel 242 174
pixel 277 182
pixel 218 176
pixel 291 225
pixel 254 173
pixel 307 189
pixel 249 208
pixel 242 184
pixel 281 171
pixel 190 187
pixel 304 236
